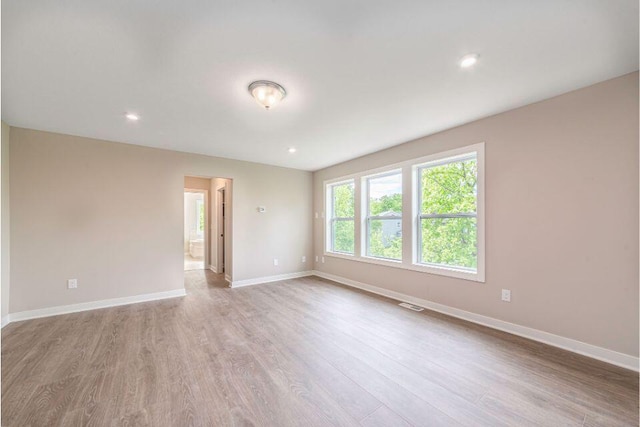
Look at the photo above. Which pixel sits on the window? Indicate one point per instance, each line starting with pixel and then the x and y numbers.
pixel 200 217
pixel 384 216
pixel 447 219
pixel 341 215
pixel 442 234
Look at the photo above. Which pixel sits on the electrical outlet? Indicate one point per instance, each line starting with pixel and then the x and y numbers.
pixel 304 258
pixel 72 283
pixel 506 295
pixel 316 258
pixel 316 215
pixel 323 260
pixel 275 261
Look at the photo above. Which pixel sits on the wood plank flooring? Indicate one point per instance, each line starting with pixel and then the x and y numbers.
pixel 299 352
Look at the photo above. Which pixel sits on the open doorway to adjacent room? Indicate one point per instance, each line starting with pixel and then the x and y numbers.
pixel 195 229
pixel 207 224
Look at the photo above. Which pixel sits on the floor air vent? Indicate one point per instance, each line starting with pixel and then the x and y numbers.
pixel 410 306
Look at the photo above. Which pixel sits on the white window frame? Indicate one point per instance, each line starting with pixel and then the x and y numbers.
pixel 410 213
pixel 199 206
pixel 329 210
pixel 460 272
pixel 368 218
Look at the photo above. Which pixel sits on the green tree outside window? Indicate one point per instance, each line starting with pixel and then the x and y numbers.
pixel 448 223
pixel 342 218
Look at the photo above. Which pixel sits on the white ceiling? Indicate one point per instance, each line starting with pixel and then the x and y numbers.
pixel 360 75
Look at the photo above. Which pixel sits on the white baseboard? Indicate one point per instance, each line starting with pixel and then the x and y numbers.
pixel 213 268
pixel 267 279
pixel 74 308
pixel 227 277
pixel 589 350
pixel 4 322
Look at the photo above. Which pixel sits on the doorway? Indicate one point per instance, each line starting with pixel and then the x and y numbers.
pixel 222 230
pixel 208 234
pixel 195 229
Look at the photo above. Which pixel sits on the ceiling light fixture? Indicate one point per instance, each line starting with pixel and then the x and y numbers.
pixel 267 93
pixel 292 149
pixel 132 117
pixel 468 60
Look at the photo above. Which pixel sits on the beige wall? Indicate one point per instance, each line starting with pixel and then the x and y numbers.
pixel 561 217
pixel 5 221
pixel 197 183
pixel 111 215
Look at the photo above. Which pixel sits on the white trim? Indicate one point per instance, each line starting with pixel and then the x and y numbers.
pixel 267 279
pixel 408 168
pixel 5 321
pixel 93 305
pixel 328 216
pixel 441 271
pixel 589 350
pixel 227 277
pixel 213 268
pixel 365 207
pixel 410 162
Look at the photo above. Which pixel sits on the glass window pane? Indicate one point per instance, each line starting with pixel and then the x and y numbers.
pixel 200 217
pixel 449 241
pixel 343 236
pixel 385 195
pixel 385 238
pixel 449 188
pixel 343 200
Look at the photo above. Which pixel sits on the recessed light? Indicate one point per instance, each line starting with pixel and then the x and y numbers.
pixel 132 117
pixel 292 149
pixel 468 60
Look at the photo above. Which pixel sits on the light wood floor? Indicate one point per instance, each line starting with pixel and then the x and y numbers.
pixel 191 263
pixel 300 352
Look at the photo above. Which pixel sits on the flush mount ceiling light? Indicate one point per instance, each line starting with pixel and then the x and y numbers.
pixel 267 93
pixel 468 60
pixel 132 117
pixel 292 150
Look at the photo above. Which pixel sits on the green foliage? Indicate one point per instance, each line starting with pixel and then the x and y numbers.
pixel 385 238
pixel 385 235
pixel 200 217
pixel 343 232
pixel 448 189
pixel 385 245
pixel 343 201
pixel 343 207
pixel 386 203
pixel 450 241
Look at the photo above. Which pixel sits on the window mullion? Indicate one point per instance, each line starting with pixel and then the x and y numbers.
pixel 375 217
pixel 346 240
pixel 454 227
pixel 452 215
pixel 386 246
pixel 373 234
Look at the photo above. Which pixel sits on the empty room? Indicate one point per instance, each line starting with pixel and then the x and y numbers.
pixel 331 213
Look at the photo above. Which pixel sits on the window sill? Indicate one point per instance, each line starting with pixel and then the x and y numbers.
pixel 422 268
